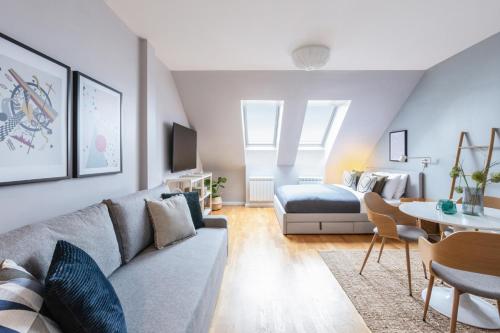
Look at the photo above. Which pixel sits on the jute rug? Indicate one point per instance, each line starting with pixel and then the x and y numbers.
pixel 381 294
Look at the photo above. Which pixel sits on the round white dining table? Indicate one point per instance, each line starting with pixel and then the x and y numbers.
pixel 473 310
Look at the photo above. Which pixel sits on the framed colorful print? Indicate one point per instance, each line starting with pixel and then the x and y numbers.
pixel 97 127
pixel 34 119
pixel 398 150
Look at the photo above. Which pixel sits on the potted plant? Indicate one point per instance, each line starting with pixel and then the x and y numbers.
pixel 472 201
pixel 217 185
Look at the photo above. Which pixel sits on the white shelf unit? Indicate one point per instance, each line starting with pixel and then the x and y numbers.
pixel 195 182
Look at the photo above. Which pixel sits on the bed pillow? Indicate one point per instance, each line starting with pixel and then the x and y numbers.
pixel 391 185
pixel 379 184
pixel 22 307
pixel 366 182
pixel 401 186
pixel 351 178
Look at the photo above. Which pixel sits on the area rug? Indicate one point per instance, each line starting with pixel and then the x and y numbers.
pixel 381 294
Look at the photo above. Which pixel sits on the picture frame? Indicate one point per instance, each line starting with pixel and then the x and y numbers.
pixel 35 120
pixel 97 127
pixel 398 145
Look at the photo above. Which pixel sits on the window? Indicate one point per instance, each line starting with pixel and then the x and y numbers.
pixel 317 123
pixel 261 123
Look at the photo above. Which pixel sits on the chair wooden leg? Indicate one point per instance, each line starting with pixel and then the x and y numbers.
pixel 407 248
pixel 425 270
pixel 454 310
pixel 428 295
pixel 381 249
pixel 374 239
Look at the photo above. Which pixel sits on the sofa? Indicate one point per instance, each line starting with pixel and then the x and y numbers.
pixel 174 289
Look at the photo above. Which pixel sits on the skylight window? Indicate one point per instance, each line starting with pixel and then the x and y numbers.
pixel 317 123
pixel 261 123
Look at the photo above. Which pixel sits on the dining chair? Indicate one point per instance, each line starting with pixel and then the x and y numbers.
pixel 466 260
pixel 391 223
pixel 490 202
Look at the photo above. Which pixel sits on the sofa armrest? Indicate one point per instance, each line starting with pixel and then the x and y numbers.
pixel 215 221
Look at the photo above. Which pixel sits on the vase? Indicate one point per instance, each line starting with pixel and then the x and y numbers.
pixel 473 203
pixel 217 203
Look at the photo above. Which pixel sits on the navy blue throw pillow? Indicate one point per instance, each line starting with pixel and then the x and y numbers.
pixel 79 296
pixel 193 200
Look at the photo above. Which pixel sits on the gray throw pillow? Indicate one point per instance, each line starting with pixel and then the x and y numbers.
pixel 171 220
pixel 379 184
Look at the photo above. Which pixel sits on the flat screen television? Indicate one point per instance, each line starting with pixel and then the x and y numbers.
pixel 183 148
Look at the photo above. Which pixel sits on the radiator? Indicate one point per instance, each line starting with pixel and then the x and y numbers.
pixel 261 189
pixel 310 180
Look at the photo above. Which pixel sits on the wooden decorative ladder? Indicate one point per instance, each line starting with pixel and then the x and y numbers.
pixel 462 147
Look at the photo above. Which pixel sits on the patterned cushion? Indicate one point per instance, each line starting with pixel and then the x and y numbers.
pixel 351 178
pixel 21 302
pixel 366 182
pixel 78 294
pixel 193 201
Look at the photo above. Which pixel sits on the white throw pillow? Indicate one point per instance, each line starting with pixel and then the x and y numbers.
pixel 401 186
pixel 391 184
pixel 351 178
pixel 171 220
pixel 366 182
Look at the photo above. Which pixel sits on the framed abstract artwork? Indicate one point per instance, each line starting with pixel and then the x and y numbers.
pixel 97 127
pixel 398 146
pixel 34 119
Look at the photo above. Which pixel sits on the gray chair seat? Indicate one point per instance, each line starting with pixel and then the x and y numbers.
pixel 473 283
pixel 408 233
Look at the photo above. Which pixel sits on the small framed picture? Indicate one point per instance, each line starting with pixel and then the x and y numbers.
pixel 398 146
pixel 34 116
pixel 97 127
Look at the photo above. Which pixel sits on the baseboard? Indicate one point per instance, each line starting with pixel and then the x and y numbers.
pixel 258 204
pixel 233 203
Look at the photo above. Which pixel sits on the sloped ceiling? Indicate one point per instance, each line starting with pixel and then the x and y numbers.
pixel 260 34
pixel 211 100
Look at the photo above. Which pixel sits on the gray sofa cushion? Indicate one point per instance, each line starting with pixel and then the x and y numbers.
pixel 131 221
pixel 174 289
pixel 90 229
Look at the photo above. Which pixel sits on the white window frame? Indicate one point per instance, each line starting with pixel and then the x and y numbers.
pixel 305 146
pixel 277 125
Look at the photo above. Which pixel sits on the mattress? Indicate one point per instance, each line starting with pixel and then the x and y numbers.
pixel 319 198
pixel 295 203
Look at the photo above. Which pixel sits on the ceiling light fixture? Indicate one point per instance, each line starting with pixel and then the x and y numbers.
pixel 311 57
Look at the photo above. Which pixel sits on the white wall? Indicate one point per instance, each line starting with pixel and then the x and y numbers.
pixel 87 36
pixel 211 100
pixel 459 94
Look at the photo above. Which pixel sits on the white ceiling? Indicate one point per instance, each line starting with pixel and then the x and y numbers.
pixel 260 34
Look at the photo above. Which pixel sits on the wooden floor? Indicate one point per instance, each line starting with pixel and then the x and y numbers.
pixel 274 283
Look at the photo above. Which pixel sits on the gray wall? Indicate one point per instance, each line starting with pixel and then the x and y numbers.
pixel 87 36
pixel 461 93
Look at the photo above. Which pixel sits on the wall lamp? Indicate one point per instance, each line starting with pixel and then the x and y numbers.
pixel 424 160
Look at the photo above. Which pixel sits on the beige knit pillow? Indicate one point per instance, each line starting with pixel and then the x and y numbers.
pixel 171 220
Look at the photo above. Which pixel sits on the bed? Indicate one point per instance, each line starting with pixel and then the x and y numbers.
pixel 331 208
